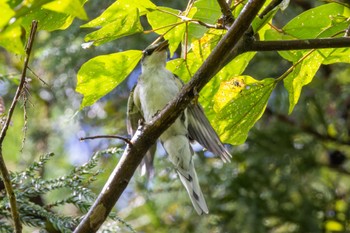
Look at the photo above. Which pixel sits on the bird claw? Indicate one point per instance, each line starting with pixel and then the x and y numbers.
pixel 141 123
pixel 156 114
pixel 196 96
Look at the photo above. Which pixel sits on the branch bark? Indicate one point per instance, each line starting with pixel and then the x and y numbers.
pixel 4 172
pixel 279 45
pixel 146 136
pixel 228 18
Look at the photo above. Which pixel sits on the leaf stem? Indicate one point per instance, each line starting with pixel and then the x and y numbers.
pixel 290 70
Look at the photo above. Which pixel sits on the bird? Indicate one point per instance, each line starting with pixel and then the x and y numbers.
pixel 155 88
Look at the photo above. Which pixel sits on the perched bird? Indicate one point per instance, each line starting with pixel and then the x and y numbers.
pixel 155 88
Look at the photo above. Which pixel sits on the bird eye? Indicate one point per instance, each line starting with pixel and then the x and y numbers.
pixel 148 52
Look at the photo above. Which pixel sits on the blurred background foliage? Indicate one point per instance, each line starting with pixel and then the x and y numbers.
pixel 291 175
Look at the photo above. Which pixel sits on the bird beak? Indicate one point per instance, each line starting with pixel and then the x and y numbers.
pixel 162 46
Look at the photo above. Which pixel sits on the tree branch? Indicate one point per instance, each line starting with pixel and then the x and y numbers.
pixel 4 172
pixel 279 45
pixel 147 136
pixel 226 13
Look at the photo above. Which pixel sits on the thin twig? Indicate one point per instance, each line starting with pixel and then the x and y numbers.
pixel 126 140
pixel 37 76
pixel 25 115
pixel 270 7
pixel 4 172
pixel 290 70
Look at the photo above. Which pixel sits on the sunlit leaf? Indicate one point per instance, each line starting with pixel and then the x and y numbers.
pixel 336 56
pixel 239 103
pixel 324 21
pixel 125 25
pixel 10 39
pixel 207 11
pixel 60 17
pixel 302 75
pixel 200 50
pixel 333 226
pixel 6 13
pixel 165 20
pixel 48 20
pixel 71 7
pixel 258 22
pixel 118 20
pixel 120 9
pixel 101 74
pixel 311 23
pixel 184 68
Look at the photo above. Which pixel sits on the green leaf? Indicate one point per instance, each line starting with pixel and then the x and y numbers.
pixel 6 13
pixel 60 17
pixel 164 20
pixel 200 50
pixel 48 20
pixel 324 21
pixel 312 23
pixel 10 39
pixel 239 104
pixel 118 20
pixel 184 68
pixel 302 75
pixel 71 7
pixel 336 56
pixel 207 11
pixel 102 74
pixel 120 9
pixel 292 55
pixel 258 23
pixel 125 25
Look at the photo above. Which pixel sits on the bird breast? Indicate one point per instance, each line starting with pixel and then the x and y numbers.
pixel 156 90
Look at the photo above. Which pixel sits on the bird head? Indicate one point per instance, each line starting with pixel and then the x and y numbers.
pixel 155 55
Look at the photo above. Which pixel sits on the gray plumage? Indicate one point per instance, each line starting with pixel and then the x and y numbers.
pixel 155 88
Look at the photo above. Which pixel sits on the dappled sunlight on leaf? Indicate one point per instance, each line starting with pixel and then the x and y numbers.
pixel 244 102
pixel 10 39
pixel 301 75
pixel 120 19
pixel 72 7
pixel 167 21
pixel 207 11
pixel 229 90
pixel 320 22
pixel 100 75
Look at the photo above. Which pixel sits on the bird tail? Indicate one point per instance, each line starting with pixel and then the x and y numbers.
pixel 190 180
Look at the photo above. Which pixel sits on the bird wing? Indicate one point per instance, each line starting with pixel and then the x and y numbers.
pixel 134 115
pixel 200 129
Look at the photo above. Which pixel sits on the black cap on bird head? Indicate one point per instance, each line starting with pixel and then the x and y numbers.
pixel 155 55
pixel 155 47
